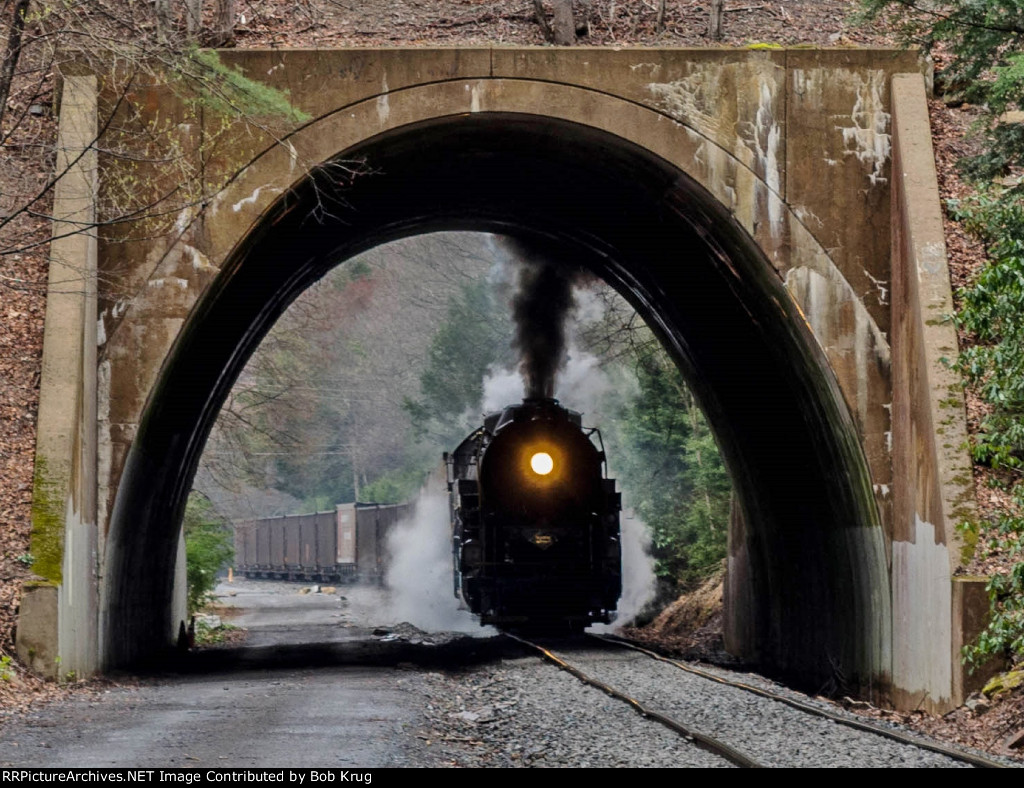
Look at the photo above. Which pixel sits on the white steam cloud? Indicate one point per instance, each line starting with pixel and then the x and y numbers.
pixel 419 576
pixel 639 582
pixel 502 387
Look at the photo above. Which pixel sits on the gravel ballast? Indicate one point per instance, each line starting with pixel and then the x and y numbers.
pixel 526 712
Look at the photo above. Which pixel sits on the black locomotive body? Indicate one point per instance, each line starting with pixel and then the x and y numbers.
pixel 535 521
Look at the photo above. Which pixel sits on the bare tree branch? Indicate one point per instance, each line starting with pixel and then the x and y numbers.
pixel 12 54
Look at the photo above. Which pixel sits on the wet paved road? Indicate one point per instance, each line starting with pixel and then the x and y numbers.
pixel 335 716
pixel 339 717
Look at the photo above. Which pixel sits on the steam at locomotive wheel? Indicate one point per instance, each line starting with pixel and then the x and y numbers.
pixel 535 521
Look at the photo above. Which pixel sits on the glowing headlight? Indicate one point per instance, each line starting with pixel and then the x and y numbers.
pixel 542 463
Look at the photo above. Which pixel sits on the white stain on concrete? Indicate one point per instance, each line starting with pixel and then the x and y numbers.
pixel 804 81
pixel 692 99
pixel 766 143
pixel 169 281
pixel 101 330
pixel 104 447
pixel 820 296
pixel 716 166
pixel 653 68
pixel 474 97
pixel 806 215
pixel 931 258
pixel 733 108
pixel 200 262
pixel 252 198
pixel 867 135
pixel 383 107
pixel 882 490
pixel 182 221
pixel 922 627
pixel 857 345
pixel 882 285
pixel 862 344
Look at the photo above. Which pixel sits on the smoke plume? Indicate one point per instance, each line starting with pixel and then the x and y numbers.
pixel 540 308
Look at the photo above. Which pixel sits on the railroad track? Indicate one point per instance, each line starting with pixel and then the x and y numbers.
pixel 749 726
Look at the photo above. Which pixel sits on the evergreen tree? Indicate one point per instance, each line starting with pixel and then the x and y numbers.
pixel 673 474
pixel 474 337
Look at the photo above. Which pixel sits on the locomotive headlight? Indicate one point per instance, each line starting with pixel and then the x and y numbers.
pixel 541 463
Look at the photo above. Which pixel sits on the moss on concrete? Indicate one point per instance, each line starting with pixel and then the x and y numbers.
pixel 968 539
pixel 1004 682
pixel 47 538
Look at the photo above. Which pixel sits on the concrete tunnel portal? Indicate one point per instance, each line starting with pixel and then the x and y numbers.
pixel 808 568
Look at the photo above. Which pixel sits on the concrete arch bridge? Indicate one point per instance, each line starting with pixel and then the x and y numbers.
pixel 772 214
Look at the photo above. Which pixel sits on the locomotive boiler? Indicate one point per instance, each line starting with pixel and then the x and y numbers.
pixel 535 521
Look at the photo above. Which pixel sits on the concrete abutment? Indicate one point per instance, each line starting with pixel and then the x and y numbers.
pixel 784 187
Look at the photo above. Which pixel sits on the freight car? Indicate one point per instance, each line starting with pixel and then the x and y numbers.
pixel 347 545
pixel 535 521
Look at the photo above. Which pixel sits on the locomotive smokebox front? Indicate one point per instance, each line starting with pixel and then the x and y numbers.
pixel 535 521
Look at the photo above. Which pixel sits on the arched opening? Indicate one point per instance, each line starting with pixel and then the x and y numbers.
pixel 813 565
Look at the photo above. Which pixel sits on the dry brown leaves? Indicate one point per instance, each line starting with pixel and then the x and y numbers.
pixel 25 167
pixel 989 727
pixel 324 23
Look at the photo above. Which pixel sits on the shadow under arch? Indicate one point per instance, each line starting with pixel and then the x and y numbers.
pixel 816 598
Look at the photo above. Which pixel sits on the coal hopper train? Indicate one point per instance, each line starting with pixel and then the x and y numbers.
pixel 535 521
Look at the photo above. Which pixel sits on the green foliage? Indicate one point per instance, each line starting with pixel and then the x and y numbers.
pixel 209 548
pixel 318 503
pixel 1004 634
pixel 992 312
pixel 207 635
pixel 676 480
pixel 473 337
pixel 6 671
pixel 983 44
pixel 397 486
pixel 226 90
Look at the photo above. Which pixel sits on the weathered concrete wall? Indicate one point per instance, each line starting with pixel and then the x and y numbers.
pixel 57 631
pixel 796 144
pixel 932 480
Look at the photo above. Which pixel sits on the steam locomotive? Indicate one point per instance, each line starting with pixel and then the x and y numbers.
pixel 535 521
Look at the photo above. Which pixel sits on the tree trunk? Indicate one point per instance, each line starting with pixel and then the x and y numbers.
pixel 223 32
pixel 12 55
pixel 542 21
pixel 564 26
pixel 164 19
pixel 715 22
pixel 583 23
pixel 659 23
pixel 193 19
